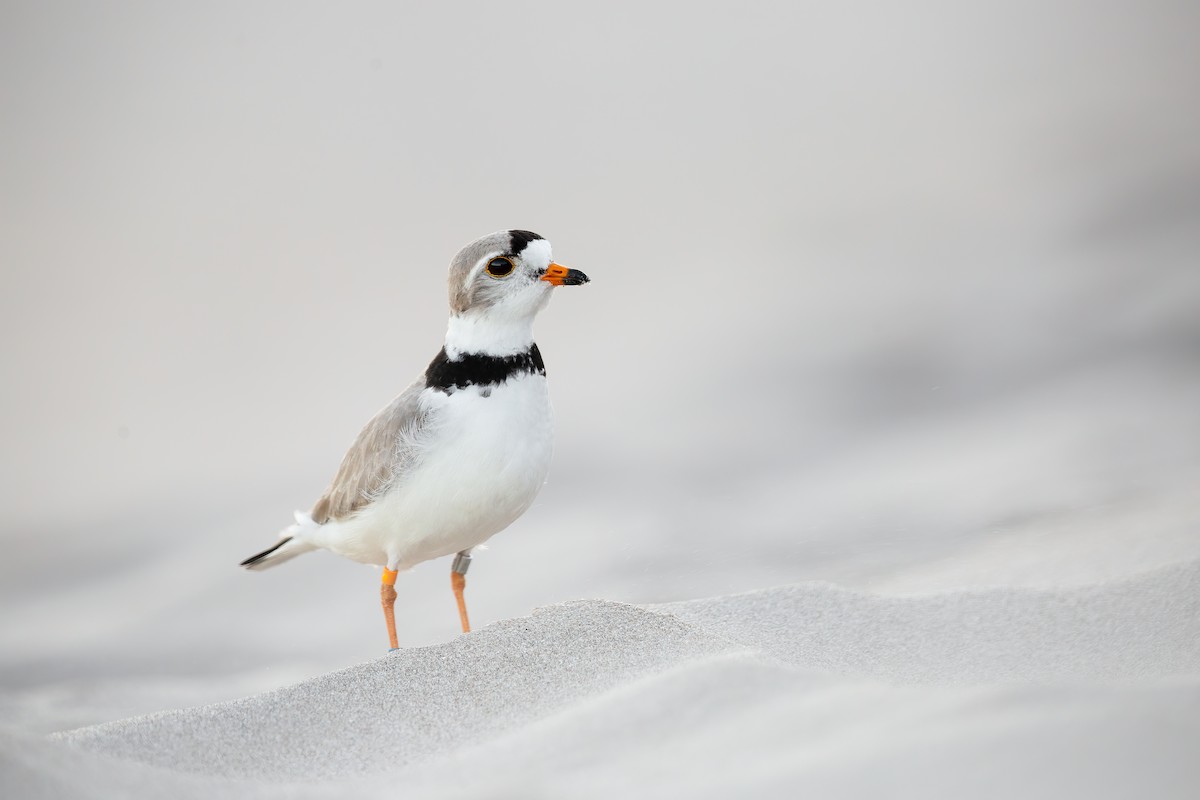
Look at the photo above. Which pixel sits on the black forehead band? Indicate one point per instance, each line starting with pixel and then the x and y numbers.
pixel 520 240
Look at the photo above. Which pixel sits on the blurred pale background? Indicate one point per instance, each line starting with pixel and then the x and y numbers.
pixel 901 296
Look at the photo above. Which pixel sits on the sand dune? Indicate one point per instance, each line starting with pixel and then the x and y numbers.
pixel 803 688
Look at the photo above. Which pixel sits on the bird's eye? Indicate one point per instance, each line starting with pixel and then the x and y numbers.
pixel 499 267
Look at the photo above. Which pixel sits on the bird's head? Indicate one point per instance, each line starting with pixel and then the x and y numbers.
pixel 499 283
pixel 508 273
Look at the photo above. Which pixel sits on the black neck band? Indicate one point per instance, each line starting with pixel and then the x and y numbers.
pixel 474 369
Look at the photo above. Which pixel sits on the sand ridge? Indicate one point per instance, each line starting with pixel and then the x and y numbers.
pixel 807 686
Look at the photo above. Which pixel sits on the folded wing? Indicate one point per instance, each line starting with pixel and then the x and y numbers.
pixel 385 449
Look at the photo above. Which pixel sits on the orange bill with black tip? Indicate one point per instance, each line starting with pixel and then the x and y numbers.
pixel 559 275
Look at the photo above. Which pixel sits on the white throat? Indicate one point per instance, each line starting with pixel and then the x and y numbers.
pixel 493 335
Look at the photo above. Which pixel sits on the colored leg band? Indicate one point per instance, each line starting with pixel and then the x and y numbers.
pixel 389 577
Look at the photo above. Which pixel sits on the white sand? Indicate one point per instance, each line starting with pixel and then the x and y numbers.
pixel 1092 692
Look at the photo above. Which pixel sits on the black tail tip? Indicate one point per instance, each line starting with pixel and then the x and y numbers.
pixel 257 557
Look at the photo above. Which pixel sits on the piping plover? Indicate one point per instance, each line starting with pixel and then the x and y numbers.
pixel 462 452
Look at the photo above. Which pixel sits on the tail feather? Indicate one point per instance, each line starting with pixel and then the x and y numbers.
pixel 291 545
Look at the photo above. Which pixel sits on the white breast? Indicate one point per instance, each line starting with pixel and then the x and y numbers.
pixel 484 460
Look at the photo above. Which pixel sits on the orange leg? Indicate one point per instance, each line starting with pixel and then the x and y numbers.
pixel 458 582
pixel 387 596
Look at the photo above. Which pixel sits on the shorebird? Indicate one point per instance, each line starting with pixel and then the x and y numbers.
pixel 462 452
